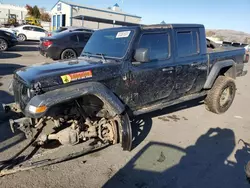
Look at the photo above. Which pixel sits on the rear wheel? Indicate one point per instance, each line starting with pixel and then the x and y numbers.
pixel 3 45
pixel 22 37
pixel 68 54
pixel 221 95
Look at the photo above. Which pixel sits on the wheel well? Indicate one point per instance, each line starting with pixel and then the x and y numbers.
pixel 228 71
pixel 90 103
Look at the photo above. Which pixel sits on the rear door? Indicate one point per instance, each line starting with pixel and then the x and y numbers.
pixel 83 39
pixel 38 33
pixel 191 65
pixel 153 80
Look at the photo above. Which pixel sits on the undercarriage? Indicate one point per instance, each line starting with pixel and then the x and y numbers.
pixel 76 124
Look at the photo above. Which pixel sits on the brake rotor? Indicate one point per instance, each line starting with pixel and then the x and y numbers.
pixel 114 132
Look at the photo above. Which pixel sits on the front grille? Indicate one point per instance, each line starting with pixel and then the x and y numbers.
pixel 20 93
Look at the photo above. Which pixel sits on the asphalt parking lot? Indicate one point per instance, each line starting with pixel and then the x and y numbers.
pixel 182 146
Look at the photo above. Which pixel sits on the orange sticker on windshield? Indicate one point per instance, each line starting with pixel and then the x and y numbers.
pixel 76 76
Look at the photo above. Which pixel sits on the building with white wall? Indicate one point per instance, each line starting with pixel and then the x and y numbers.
pixel 7 9
pixel 69 14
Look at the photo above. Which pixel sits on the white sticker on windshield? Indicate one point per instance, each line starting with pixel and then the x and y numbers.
pixel 123 34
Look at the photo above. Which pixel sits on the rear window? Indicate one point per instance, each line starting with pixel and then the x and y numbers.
pixel 27 28
pixel 84 37
pixel 38 29
pixel 187 43
pixel 73 38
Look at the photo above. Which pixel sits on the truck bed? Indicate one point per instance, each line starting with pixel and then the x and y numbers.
pixel 227 52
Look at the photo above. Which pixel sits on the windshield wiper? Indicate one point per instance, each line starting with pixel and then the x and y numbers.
pixel 103 56
pixel 86 54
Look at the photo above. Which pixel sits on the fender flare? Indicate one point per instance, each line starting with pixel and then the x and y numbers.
pixel 51 98
pixel 216 70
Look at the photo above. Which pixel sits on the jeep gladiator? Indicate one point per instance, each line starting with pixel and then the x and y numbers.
pixel 124 72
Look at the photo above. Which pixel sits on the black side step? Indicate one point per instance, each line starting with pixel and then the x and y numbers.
pixel 161 105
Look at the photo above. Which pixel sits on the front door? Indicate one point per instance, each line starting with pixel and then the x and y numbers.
pixel 191 63
pixel 153 80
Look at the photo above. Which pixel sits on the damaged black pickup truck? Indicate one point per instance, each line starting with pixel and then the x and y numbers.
pixel 124 72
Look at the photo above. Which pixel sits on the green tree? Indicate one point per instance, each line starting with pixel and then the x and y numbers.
pixel 36 12
pixel 33 11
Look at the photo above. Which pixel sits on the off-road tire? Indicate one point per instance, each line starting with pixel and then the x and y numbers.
pixel 214 95
pixel 247 170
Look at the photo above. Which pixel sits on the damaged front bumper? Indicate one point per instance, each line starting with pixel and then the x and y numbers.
pixel 17 121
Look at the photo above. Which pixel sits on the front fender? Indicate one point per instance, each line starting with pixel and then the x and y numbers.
pixel 218 66
pixel 51 98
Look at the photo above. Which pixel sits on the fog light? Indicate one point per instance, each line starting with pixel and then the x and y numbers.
pixel 39 109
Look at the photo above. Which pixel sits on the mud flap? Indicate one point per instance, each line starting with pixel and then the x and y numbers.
pixel 126 133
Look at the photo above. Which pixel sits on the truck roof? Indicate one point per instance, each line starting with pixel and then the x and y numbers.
pixel 159 26
pixel 172 26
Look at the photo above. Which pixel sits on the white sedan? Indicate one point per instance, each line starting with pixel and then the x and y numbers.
pixel 29 32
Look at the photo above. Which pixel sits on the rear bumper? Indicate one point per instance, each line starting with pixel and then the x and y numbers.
pixel 50 52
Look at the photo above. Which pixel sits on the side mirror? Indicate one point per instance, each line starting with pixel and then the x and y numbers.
pixel 141 55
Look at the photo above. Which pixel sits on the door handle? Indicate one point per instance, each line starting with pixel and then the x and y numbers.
pixel 167 69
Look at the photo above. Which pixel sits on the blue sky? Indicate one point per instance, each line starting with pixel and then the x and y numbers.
pixel 214 14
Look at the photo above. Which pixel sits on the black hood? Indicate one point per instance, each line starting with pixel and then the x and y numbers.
pixel 56 73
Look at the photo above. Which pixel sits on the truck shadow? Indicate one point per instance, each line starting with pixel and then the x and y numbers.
pixel 6 68
pixel 141 125
pixel 203 164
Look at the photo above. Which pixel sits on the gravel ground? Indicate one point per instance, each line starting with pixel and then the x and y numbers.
pixel 182 146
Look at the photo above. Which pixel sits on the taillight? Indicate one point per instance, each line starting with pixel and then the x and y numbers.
pixel 246 58
pixel 47 43
pixel 49 34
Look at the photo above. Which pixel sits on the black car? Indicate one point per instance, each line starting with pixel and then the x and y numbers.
pixel 7 40
pixel 71 28
pixel 66 45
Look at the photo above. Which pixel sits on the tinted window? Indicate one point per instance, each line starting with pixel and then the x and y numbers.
pixel 84 37
pixel 187 43
pixel 157 44
pixel 27 28
pixel 73 38
pixel 111 43
pixel 38 29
